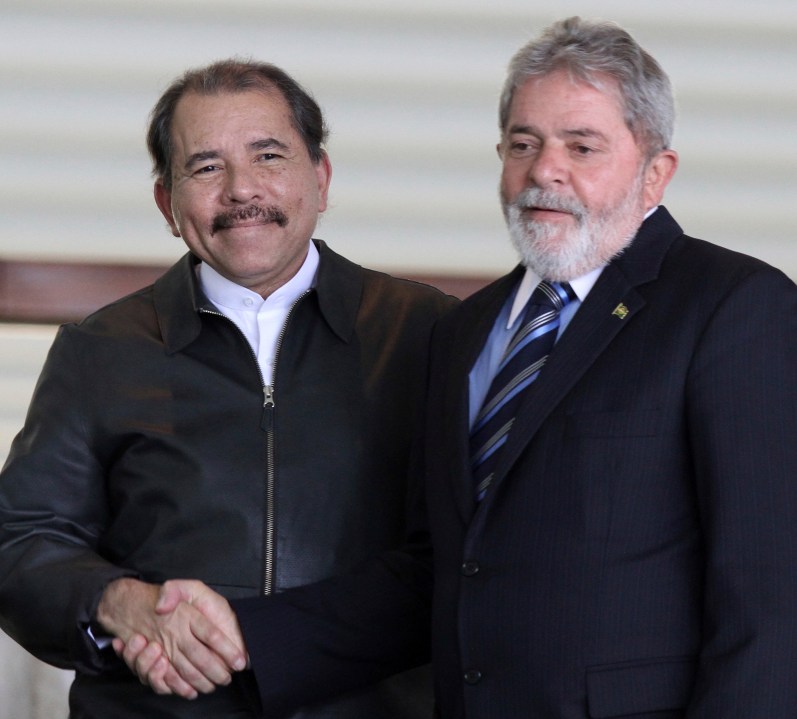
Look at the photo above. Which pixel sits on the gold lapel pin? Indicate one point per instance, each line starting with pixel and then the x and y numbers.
pixel 620 311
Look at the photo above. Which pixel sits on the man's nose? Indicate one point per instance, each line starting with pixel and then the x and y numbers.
pixel 241 184
pixel 549 167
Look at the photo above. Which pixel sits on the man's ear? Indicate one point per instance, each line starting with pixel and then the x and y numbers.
pixel 163 199
pixel 658 174
pixel 323 172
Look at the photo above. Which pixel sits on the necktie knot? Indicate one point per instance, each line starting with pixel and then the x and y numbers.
pixel 552 294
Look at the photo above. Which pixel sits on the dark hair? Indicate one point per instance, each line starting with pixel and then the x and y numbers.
pixel 233 76
pixel 588 50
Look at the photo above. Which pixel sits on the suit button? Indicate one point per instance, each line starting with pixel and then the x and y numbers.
pixel 472 676
pixel 470 568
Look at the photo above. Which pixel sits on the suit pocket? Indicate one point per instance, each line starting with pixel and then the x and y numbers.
pixel 658 685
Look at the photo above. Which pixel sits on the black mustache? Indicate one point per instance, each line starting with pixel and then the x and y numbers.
pixel 225 220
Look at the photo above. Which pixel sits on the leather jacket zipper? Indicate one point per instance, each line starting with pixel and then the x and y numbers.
pixel 269 405
pixel 267 424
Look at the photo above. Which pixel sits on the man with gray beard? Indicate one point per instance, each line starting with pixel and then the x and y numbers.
pixel 622 540
pixel 558 259
pixel 609 444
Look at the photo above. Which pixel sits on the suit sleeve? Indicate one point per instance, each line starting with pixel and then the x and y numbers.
pixel 742 415
pixel 53 508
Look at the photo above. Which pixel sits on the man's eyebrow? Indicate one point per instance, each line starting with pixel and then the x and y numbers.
pixel 268 143
pixel 585 132
pixel 522 130
pixel 203 156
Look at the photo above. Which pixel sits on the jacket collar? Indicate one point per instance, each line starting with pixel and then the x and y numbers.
pixel 340 288
pixel 641 261
pixel 178 298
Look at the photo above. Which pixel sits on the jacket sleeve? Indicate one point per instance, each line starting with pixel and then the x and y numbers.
pixel 53 508
pixel 742 407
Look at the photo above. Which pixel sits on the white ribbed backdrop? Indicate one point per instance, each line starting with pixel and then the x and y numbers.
pixel 410 92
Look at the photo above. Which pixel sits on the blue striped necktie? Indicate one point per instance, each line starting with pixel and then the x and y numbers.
pixel 519 367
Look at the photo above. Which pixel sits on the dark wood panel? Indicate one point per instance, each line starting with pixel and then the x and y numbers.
pixel 55 292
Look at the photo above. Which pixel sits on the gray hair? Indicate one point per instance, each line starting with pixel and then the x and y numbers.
pixel 589 50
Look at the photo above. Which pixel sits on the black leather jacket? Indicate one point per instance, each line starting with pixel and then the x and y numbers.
pixel 151 449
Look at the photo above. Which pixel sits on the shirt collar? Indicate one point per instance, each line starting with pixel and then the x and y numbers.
pixel 581 286
pixel 226 293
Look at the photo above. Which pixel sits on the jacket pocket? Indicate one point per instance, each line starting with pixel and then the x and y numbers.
pixel 657 685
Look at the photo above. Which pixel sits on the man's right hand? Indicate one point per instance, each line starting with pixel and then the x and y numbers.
pixel 170 643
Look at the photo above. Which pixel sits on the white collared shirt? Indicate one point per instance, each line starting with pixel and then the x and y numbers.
pixel 260 320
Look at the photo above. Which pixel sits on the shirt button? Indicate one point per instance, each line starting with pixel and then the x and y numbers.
pixel 249 301
pixel 470 568
pixel 472 676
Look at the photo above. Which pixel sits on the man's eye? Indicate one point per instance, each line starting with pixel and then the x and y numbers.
pixel 205 169
pixel 266 156
pixel 521 149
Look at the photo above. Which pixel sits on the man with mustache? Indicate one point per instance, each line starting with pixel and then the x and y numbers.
pixel 614 524
pixel 245 421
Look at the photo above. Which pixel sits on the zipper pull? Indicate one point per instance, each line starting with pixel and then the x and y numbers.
pixel 267 420
pixel 268 395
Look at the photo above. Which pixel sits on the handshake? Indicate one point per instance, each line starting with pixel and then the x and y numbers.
pixel 179 638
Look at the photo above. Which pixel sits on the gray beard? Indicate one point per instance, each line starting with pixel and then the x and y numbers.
pixel 594 241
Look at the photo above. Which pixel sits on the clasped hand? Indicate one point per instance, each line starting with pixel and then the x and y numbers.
pixel 181 638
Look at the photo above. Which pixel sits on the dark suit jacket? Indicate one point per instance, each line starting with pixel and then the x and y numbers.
pixel 636 555
pixel 637 551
